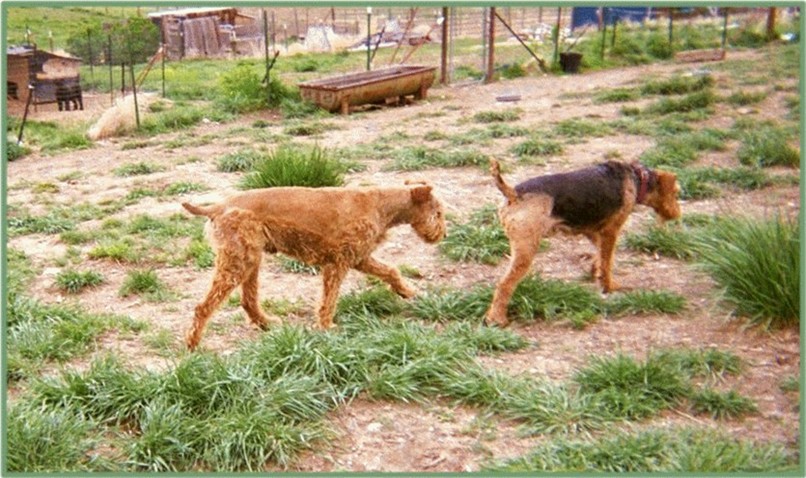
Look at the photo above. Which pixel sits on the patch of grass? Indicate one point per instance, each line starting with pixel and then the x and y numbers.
pixel 670 152
pixel 183 187
pixel 295 166
pixel 145 283
pixel 38 333
pixel 691 102
pixel 744 98
pixel 378 301
pixel 137 169
pixel 536 147
pixel 654 450
pixel 646 302
pixel 662 240
pixel 767 146
pixel 581 127
pixel 677 85
pixel 452 304
pixel 704 362
pixel 616 95
pixel 200 253
pixel 49 440
pixel 757 264
pixel 73 281
pixel 119 250
pixel 497 116
pixel 239 161
pixel 307 129
pixel 416 158
pixel 630 389
pixel 722 406
pixel 481 239
pixel 535 297
pixel 698 183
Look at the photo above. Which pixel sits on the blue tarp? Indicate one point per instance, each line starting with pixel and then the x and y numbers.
pixel 582 16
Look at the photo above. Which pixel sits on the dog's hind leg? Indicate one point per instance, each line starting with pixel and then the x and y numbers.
pixel 250 302
pixel 388 274
pixel 224 282
pixel 332 277
pixel 525 224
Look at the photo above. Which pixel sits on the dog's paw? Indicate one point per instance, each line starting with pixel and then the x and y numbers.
pixel 406 292
pixel 492 321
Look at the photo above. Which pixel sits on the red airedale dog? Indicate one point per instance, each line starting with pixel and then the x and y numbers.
pixel 594 201
pixel 334 228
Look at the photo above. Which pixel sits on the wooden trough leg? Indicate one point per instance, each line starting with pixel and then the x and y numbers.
pixel 422 93
pixel 345 106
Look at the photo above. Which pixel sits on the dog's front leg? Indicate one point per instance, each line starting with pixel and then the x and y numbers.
pixel 606 255
pixel 332 277
pixel 388 274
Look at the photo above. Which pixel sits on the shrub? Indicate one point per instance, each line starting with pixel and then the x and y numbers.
pixel 241 91
pixel 295 166
pixel 757 263
pixel 536 147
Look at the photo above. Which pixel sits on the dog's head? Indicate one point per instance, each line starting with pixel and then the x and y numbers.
pixel 427 215
pixel 663 197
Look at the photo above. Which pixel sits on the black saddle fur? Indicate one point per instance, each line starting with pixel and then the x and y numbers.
pixel 583 198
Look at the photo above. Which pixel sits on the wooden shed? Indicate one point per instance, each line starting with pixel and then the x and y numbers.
pixel 199 32
pixel 55 77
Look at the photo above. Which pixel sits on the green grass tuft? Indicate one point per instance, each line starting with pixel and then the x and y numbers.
pixel 295 166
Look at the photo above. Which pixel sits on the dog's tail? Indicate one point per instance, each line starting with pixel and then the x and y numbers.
pixel 210 211
pixel 507 190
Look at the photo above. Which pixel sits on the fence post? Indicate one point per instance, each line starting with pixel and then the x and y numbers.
pixel 491 48
pixel 369 36
pixel 604 30
pixel 725 28
pixel 771 24
pixel 443 63
pixel 89 45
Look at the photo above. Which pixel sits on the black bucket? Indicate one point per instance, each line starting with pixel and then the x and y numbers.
pixel 570 61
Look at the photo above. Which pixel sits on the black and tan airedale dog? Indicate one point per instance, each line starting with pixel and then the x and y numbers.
pixel 595 202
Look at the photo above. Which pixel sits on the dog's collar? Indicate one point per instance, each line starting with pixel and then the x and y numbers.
pixel 642 174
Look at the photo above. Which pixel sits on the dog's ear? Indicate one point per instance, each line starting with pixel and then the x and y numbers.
pixel 421 194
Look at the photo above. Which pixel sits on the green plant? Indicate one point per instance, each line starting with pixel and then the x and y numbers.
pixel 137 169
pixel 242 160
pixel 534 147
pixel 497 116
pixel 721 406
pixel 757 264
pixel 145 283
pixel 480 239
pixel 646 301
pixel 767 146
pixel 630 389
pixel 73 281
pixel 295 166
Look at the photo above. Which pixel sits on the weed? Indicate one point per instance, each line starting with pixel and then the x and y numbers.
pixel 757 264
pixel 705 362
pixel 239 161
pixel 73 281
pixel 663 240
pixel 136 169
pixel 145 283
pixel 481 239
pixel 497 116
pixel 677 85
pixel 418 157
pixel 295 166
pixel 535 147
pixel 767 146
pixel 722 406
pixel 646 302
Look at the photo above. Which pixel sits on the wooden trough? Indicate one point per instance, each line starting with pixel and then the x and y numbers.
pixel 338 93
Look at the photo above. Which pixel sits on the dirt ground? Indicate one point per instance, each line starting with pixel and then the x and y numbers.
pixel 433 437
